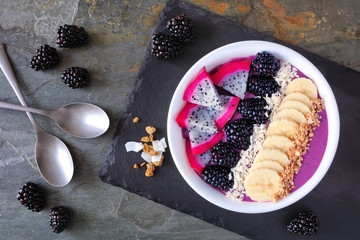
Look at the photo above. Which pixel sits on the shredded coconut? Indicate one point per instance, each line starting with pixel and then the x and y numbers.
pixel 284 76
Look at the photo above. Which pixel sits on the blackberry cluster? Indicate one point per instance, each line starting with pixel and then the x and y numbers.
pixel 75 77
pixel 181 27
pixel 238 133
pixel 261 85
pixel 265 64
pixel 222 154
pixel 305 224
pixel 30 196
pixel 70 36
pixel 165 46
pixel 218 177
pixel 44 58
pixel 254 109
pixel 58 218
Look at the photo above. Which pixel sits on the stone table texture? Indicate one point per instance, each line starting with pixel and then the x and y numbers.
pixel 120 33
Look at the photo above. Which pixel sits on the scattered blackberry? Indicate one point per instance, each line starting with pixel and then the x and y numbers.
pixel 222 154
pixel 238 133
pixel 75 77
pixel 261 85
pixel 181 28
pixel 305 224
pixel 30 196
pixel 58 218
pixel 218 177
pixel 165 46
pixel 70 36
pixel 254 109
pixel 44 58
pixel 265 64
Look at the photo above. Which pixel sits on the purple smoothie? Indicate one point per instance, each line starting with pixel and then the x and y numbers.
pixel 315 153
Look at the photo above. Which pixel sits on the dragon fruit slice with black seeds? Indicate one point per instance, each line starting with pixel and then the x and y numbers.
pixel 202 91
pixel 221 117
pixel 233 77
pixel 203 141
pixel 192 115
pixel 197 162
pixel 203 133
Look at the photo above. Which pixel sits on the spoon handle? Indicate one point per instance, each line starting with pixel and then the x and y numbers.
pixel 21 108
pixel 9 74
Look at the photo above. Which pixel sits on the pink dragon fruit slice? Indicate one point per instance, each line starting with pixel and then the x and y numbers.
pixel 203 141
pixel 221 117
pixel 233 77
pixel 202 130
pixel 202 91
pixel 196 116
pixel 197 162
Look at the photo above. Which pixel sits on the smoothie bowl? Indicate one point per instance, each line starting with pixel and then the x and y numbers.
pixel 258 130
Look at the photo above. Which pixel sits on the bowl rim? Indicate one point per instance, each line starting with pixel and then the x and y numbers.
pixel 222 55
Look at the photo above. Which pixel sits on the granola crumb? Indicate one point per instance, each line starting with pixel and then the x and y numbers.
pixel 141 165
pixel 153 153
pixel 151 138
pixel 145 139
pixel 136 119
pixel 136 166
pixel 149 170
pixel 150 130
pixel 159 163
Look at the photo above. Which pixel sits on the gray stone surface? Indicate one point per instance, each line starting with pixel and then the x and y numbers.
pixel 120 33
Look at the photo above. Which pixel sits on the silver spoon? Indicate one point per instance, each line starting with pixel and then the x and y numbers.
pixel 52 156
pixel 82 120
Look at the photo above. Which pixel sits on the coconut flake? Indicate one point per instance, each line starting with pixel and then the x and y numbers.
pixel 147 157
pixel 158 146
pixel 156 158
pixel 134 146
pixel 163 142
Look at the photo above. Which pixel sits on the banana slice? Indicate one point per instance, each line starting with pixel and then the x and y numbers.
pixel 282 126
pixel 272 154
pixel 280 142
pixel 267 164
pixel 291 113
pixel 294 104
pixel 298 97
pixel 262 184
pixel 302 85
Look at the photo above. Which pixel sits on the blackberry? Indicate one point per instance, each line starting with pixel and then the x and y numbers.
pixel 254 110
pixel 222 154
pixel 165 46
pixel 44 58
pixel 265 64
pixel 70 36
pixel 75 77
pixel 238 133
pixel 261 85
pixel 58 218
pixel 305 224
pixel 30 196
pixel 181 28
pixel 218 177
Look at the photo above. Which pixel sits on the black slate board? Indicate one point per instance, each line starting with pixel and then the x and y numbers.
pixel 335 200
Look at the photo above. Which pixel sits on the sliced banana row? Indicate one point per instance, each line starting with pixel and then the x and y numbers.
pixel 263 181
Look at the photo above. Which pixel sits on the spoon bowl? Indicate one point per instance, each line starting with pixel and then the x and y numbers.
pixel 82 120
pixel 53 160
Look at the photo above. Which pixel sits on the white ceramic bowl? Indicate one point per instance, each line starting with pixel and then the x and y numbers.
pixel 223 55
